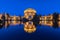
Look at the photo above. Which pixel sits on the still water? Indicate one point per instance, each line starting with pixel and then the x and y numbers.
pixel 17 33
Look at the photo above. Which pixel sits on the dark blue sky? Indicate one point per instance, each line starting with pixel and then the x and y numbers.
pixel 17 7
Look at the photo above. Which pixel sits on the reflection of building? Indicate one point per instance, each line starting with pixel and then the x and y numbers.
pixel 15 20
pixel 30 20
pixel 12 20
pixel 52 20
pixel 59 20
pixel 29 27
pixel 46 20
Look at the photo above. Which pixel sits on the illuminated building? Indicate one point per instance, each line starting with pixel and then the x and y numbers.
pixel 30 20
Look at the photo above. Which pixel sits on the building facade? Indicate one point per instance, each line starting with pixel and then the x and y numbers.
pixel 30 20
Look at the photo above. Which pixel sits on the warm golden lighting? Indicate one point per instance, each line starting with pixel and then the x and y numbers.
pixel 59 23
pixel 30 10
pixel 0 16
pixel 12 20
pixel 29 13
pixel 29 27
pixel 30 20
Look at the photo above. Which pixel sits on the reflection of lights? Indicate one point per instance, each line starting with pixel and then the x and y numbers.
pixel 30 30
pixel 30 20
pixel 59 23
pixel 14 20
pixel 29 27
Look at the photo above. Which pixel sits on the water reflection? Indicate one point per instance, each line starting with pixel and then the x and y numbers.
pixel 30 20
